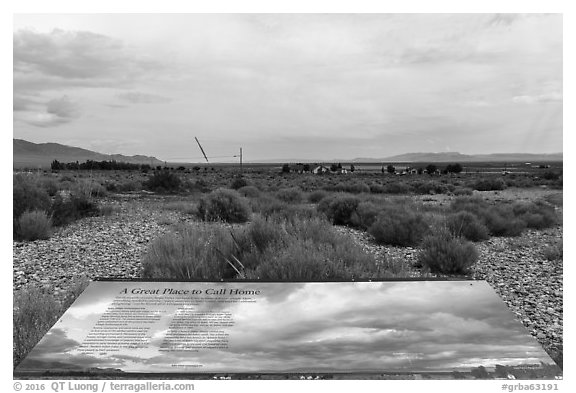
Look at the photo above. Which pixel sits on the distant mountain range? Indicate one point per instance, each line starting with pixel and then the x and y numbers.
pixel 33 155
pixel 458 157
pixel 447 157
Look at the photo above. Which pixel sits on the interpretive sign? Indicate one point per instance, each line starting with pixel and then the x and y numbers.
pixel 401 328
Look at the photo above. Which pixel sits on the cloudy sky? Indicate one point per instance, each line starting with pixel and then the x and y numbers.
pixel 311 86
pixel 335 327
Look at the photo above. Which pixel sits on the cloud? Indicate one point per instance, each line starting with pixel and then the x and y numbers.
pixel 66 59
pixel 21 103
pixel 503 19
pixel 54 112
pixel 143 98
pixel 74 55
pixel 532 99
pixel 56 340
pixel 88 310
pixel 63 108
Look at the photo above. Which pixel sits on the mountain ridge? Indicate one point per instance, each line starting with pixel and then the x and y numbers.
pixel 26 154
pixel 455 156
pixel 433 157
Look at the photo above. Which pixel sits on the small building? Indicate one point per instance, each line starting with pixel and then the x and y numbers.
pixel 320 169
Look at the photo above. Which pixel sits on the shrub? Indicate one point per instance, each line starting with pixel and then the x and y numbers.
pixel 358 188
pixel 190 253
pixel 309 249
pixel 127 186
pixel 351 187
pixel 317 196
pixel 489 184
pixel 423 187
pixel 473 204
pixel 399 228
pixel 27 195
pixel 460 191
pixel 34 225
pixel 468 225
pixel 295 212
pixel 267 205
pixel 249 191
pixel 365 215
pixel 198 185
pixel 224 205
pixel 339 208
pixel 442 253
pixel 34 313
pixel 501 222
pixel 163 181
pixel 311 261
pixel 274 248
pixel 553 252
pixel 520 181
pixel 555 199
pixel 377 189
pixel 238 183
pixel 316 229
pixel 67 210
pixel 290 195
pixel 264 233
pixel 50 185
pixel 88 188
pixel 551 175
pixel 397 188
pixel 537 215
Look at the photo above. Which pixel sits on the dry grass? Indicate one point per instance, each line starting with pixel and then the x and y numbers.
pixel 34 312
pixel 34 225
pixel 277 247
pixel 186 207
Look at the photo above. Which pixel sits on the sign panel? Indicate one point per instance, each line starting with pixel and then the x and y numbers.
pixel 340 328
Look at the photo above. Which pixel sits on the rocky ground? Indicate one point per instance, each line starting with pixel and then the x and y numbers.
pixel 107 246
pixel 112 246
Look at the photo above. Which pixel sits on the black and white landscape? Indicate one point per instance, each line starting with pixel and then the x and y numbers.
pixel 311 151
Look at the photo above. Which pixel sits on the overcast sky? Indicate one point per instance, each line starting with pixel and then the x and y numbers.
pixel 310 86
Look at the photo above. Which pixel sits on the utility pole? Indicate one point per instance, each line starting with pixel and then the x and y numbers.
pixel 241 161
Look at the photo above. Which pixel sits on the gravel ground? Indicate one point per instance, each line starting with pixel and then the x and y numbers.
pixel 112 246
pixel 108 246
pixel 528 283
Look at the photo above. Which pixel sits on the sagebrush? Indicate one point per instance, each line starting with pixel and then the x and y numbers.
pixel 224 205
pixel 443 253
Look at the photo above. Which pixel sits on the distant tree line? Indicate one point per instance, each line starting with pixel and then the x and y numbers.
pixel 98 165
pixel 429 169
